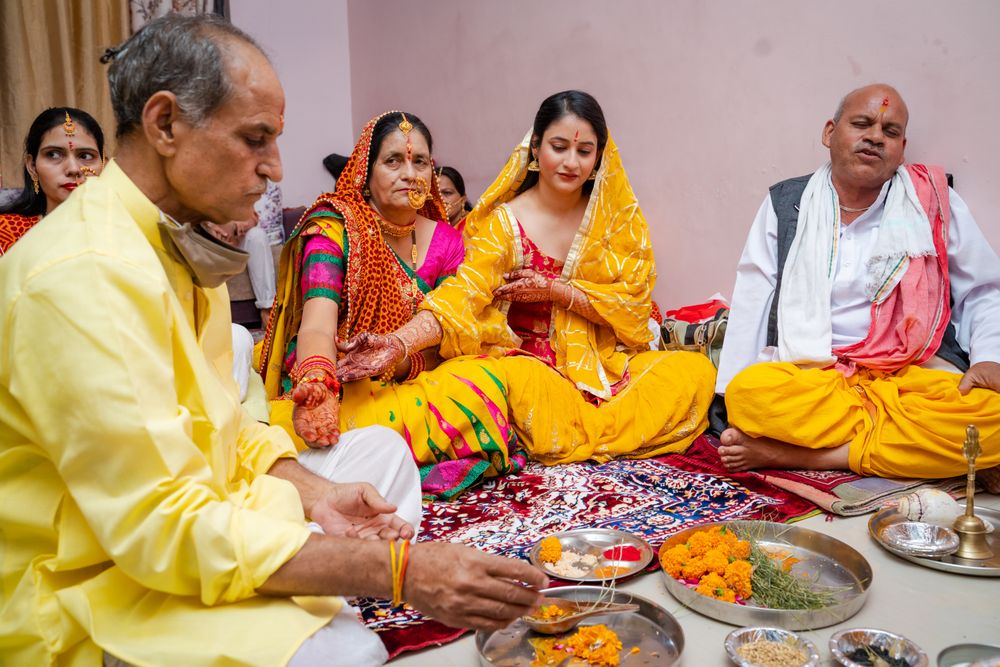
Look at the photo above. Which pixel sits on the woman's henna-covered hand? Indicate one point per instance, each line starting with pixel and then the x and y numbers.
pixel 369 355
pixel 525 286
pixel 529 286
pixel 316 415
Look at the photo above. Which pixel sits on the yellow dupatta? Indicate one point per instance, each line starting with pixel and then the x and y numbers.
pixel 610 260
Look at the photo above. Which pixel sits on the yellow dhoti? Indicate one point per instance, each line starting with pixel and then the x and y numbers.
pixel 910 423
pixel 663 409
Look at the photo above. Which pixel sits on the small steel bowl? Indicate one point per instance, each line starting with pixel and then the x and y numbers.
pixel 970 655
pixel 921 539
pixel 738 638
pixel 845 642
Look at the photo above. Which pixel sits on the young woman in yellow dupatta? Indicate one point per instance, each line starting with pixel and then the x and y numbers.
pixel 361 260
pixel 556 283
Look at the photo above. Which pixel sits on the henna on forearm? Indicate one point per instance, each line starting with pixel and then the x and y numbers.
pixel 575 300
pixel 420 333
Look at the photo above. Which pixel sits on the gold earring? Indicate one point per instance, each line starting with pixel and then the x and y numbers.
pixel 366 192
pixel 593 175
pixel 34 179
pixel 533 165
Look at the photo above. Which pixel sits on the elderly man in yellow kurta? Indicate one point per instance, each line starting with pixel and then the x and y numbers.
pixel 144 517
pixel 873 300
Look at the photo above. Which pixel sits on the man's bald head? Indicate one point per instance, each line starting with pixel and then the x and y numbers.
pixel 884 89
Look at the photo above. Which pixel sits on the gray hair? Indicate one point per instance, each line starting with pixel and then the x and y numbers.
pixel 185 55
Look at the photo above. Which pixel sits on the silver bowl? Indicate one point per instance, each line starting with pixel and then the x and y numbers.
pixel 916 538
pixel 845 642
pixel 969 655
pixel 737 638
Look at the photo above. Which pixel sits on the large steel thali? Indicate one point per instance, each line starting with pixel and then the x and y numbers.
pixel 823 560
pixel 652 629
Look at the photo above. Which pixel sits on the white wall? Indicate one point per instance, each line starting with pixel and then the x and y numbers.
pixel 710 101
pixel 307 41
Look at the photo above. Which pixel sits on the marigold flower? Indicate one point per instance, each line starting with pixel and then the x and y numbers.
pixel 551 550
pixel 699 543
pixel 679 552
pixel 673 559
pixel 550 612
pixel 693 569
pixel 740 549
pixel 737 576
pixel 714 586
pixel 598 645
pixel 715 561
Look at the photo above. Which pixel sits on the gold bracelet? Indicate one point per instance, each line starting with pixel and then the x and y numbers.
pixel 572 297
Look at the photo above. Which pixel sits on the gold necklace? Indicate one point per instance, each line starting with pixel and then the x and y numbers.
pixel 391 228
pixel 397 231
pixel 413 262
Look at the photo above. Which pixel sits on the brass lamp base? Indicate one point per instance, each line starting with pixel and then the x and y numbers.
pixel 972 538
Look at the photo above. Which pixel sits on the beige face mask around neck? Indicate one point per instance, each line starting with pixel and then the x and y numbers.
pixel 211 262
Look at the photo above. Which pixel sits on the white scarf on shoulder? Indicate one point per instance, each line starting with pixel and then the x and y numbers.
pixel 804 322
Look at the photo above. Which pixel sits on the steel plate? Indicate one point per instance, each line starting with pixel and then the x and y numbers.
pixel 595 541
pixel 652 629
pixel 989 567
pixel 822 559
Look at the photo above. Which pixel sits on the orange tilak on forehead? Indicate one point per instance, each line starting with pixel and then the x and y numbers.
pixel 576 136
pixel 885 105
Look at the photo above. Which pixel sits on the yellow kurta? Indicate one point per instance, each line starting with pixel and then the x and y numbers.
pixel 910 423
pixel 135 515
pixel 611 261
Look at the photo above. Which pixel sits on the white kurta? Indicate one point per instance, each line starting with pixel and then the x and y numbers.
pixel 974 272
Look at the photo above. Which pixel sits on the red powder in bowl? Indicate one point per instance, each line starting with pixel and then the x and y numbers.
pixel 623 552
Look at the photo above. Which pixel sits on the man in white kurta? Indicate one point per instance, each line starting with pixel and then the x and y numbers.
pixel 782 410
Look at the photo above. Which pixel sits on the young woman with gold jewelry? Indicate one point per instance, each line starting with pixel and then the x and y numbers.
pixel 64 146
pixel 361 260
pixel 556 282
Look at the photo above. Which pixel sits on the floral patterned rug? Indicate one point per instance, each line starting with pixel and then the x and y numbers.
pixel 652 498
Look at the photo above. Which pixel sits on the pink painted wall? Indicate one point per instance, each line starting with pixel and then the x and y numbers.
pixel 710 101
pixel 308 43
